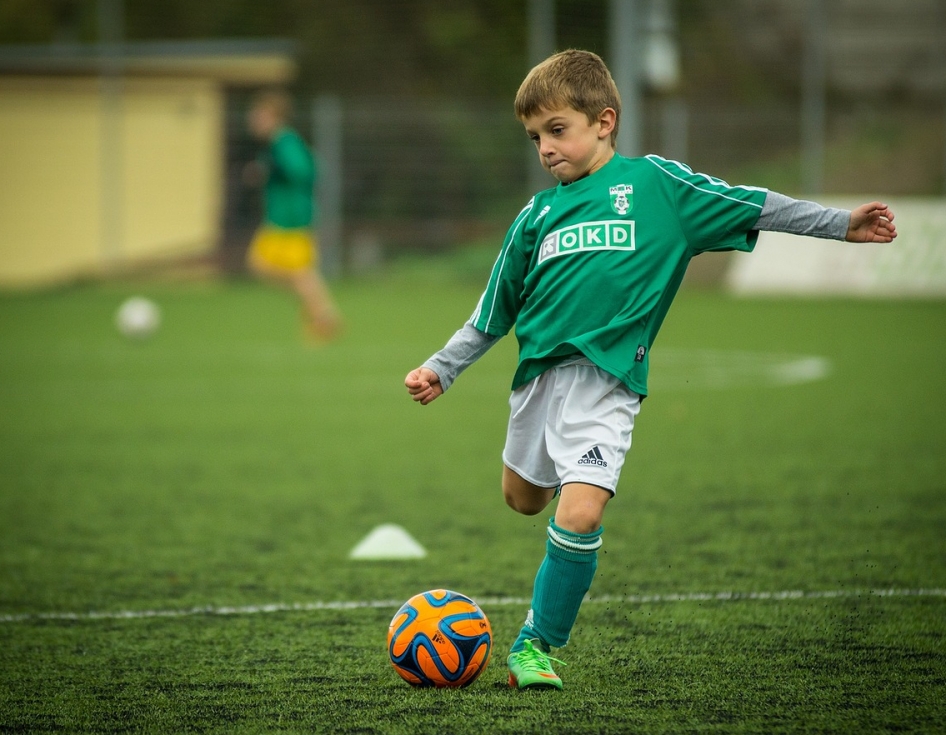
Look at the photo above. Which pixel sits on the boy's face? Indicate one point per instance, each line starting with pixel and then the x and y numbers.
pixel 569 146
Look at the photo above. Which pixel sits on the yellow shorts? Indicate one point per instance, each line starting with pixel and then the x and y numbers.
pixel 275 248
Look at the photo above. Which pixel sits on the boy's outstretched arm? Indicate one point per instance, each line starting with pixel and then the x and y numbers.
pixel 424 385
pixel 871 222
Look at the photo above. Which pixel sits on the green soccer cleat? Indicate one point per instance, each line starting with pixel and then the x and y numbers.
pixel 531 668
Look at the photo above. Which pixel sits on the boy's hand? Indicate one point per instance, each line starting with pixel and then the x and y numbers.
pixel 424 385
pixel 871 222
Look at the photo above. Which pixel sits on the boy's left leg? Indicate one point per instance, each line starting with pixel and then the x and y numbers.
pixel 563 580
pixel 587 416
pixel 566 572
pixel 581 507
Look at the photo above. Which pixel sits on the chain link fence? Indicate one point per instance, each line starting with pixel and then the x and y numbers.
pixel 807 97
pixel 429 174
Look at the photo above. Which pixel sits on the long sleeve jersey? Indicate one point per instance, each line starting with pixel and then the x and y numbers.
pixel 591 268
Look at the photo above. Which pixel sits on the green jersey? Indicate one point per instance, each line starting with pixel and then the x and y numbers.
pixel 591 267
pixel 291 175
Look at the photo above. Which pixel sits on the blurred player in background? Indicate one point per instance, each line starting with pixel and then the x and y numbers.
pixel 285 248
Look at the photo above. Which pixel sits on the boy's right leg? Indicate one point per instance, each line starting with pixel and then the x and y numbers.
pixel 523 496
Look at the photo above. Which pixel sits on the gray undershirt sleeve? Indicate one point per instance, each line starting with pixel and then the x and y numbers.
pixel 799 217
pixel 464 348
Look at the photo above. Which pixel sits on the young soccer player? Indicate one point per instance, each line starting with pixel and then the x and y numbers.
pixel 284 248
pixel 586 275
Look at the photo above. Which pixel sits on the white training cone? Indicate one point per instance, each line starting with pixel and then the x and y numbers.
pixel 388 541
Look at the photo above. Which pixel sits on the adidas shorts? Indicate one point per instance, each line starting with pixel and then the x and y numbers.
pixel 572 423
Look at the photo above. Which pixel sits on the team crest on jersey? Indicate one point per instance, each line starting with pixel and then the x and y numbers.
pixel 622 198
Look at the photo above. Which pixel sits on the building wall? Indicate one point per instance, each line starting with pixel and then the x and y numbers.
pixel 914 265
pixel 93 180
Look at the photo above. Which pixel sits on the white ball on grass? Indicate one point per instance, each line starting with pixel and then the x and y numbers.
pixel 138 317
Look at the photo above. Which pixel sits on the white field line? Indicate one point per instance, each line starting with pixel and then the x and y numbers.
pixel 483 601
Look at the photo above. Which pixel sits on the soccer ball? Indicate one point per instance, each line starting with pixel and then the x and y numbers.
pixel 138 317
pixel 439 639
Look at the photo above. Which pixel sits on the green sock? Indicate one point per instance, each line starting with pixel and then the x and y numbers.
pixel 563 579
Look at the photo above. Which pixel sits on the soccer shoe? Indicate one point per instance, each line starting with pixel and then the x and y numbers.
pixel 531 668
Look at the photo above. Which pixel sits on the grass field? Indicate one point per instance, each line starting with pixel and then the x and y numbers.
pixel 223 465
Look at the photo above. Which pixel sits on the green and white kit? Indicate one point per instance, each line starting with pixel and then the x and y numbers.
pixel 587 272
pixel 572 423
pixel 592 267
pixel 586 275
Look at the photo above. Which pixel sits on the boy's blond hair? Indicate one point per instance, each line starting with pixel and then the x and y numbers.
pixel 572 78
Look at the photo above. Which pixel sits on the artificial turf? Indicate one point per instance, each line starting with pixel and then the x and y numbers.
pixel 224 463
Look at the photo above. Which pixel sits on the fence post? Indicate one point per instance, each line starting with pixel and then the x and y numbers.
pixel 327 121
pixel 541 46
pixel 624 46
pixel 813 100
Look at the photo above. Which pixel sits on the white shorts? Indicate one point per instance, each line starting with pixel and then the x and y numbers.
pixel 572 423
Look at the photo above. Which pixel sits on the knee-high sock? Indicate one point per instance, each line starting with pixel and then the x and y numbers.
pixel 563 579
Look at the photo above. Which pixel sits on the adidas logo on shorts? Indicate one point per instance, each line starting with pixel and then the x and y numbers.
pixel 593 456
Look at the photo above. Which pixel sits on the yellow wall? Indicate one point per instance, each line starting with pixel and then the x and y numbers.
pixel 156 154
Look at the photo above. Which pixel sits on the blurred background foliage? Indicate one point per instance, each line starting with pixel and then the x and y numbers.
pixel 738 50
pixel 433 155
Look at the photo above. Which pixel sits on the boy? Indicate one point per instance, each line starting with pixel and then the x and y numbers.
pixel 284 248
pixel 586 274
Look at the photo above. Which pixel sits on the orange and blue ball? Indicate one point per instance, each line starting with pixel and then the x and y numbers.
pixel 439 638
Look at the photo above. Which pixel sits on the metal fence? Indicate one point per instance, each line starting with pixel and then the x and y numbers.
pixel 429 174
pixel 801 96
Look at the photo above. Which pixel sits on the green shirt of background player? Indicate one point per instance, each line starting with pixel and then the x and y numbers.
pixel 287 194
pixel 586 275
pixel 285 247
